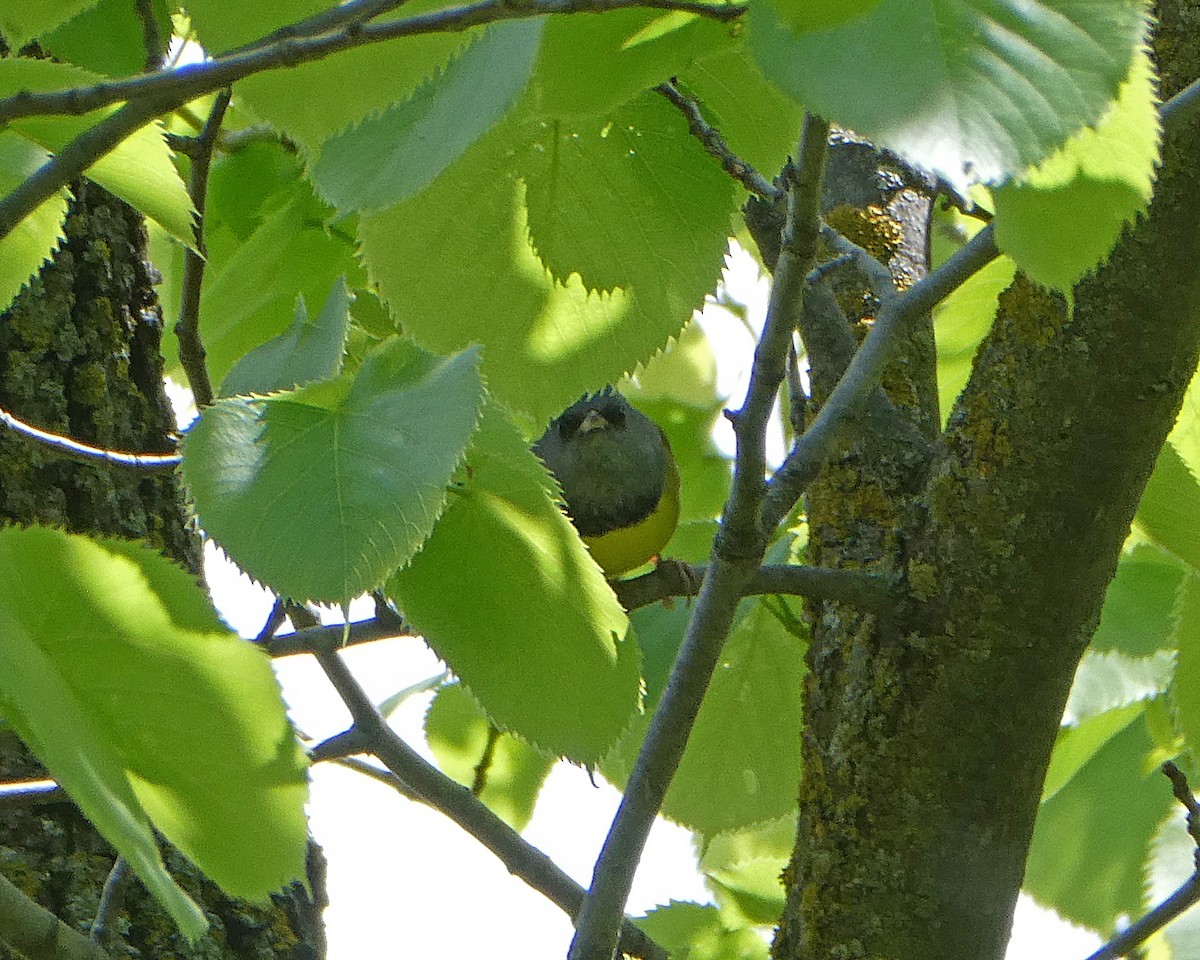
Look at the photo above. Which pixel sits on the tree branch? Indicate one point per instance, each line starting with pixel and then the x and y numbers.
pixel 111 898
pixel 73 159
pixel 156 50
pixel 77 450
pixel 435 789
pixel 867 591
pixel 814 448
pixel 320 639
pixel 30 793
pixel 150 95
pixel 37 934
pixel 737 553
pixel 1133 936
pixel 282 49
pixel 187 328
pixel 715 144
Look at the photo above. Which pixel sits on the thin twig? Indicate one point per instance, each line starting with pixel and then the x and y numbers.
pixel 274 621
pixel 1183 793
pixel 867 591
pixel 715 144
pixel 73 159
pixel 156 51
pixel 797 395
pixel 355 12
pixel 455 801
pixel 111 899
pixel 77 450
pixel 177 87
pixel 187 328
pixel 814 448
pixel 879 278
pixel 338 747
pixel 737 553
pixel 484 766
pixel 1133 936
pixel 150 95
pixel 367 769
pixel 314 639
pixel 31 793
pixel 1181 106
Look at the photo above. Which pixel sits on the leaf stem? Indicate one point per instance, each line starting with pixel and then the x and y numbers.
pixel 187 328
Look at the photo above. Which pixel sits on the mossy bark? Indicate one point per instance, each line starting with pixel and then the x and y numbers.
pixel 80 355
pixel 928 731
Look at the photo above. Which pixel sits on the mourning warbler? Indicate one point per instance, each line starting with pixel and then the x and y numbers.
pixel 618 476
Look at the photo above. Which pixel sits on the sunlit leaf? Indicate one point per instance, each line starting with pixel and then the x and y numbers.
pixel 321 492
pixel 546 652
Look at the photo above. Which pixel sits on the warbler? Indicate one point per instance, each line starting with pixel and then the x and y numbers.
pixel 618 476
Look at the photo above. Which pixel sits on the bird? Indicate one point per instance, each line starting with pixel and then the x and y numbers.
pixel 619 479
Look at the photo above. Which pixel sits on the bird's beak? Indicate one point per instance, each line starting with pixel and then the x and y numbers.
pixel 592 420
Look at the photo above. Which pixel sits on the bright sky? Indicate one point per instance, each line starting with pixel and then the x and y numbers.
pixel 404 881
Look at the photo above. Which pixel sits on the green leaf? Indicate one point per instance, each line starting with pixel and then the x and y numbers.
pixel 1138 617
pixel 737 770
pixel 691 931
pixel 1169 512
pixel 1093 828
pixel 961 321
pixel 684 373
pixel 222 24
pixel 250 286
pixel 1080 742
pixel 310 350
pixel 760 125
pixel 392 155
pixel 1185 696
pixel 108 37
pixel 458 730
pixel 547 342
pixel 321 492
pixel 1185 437
pixel 1062 218
pixel 744 869
pixel 143 705
pixel 298 101
pixel 630 201
pixel 23 20
pixel 824 14
pixel 139 170
pixel 990 87
pixel 592 65
pixel 547 653
pixel 1108 681
pixel 33 240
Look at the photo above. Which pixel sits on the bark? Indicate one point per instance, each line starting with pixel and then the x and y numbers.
pixel 928 731
pixel 80 355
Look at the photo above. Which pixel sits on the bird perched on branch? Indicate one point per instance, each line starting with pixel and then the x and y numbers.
pixel 619 478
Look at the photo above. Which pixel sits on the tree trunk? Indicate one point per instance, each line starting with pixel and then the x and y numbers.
pixel 928 731
pixel 80 355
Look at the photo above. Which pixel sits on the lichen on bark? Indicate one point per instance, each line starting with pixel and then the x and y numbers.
pixel 928 730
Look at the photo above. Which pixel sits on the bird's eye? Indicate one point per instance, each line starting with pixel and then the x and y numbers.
pixel 568 424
